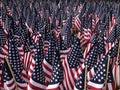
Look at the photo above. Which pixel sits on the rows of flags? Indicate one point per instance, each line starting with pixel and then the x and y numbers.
pixel 59 45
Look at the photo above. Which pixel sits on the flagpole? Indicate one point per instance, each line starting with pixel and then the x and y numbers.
pixel 117 64
pixel 8 63
pixel 85 77
pixel 108 64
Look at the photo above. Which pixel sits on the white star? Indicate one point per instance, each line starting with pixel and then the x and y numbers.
pixel 99 80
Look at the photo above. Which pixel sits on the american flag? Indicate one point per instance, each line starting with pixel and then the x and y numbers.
pixel 9 82
pixel 90 44
pixel 37 79
pixel 77 22
pixel 70 65
pixel 98 81
pixel 56 82
pixel 20 49
pixel 28 54
pixel 62 47
pixel 92 73
pixel 16 66
pixel 78 18
pixel 47 62
pixel 90 61
pixel 112 52
pixel 87 36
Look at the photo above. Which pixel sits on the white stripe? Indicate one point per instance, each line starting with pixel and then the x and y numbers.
pixel 5 50
pixel 44 61
pixel 37 84
pixel 22 85
pixel 29 88
pixel 73 70
pixel 64 51
pixel 75 88
pixel 53 86
pixel 95 85
pixel 109 86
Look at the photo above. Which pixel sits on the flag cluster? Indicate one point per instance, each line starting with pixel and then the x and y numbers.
pixel 59 45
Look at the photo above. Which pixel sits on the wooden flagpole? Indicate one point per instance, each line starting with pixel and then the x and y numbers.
pixel 117 64
pixel 85 77
pixel 108 64
pixel 7 61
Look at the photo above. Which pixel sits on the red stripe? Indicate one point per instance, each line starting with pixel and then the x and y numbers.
pixel 48 76
pixel 10 85
pixel 91 75
pixel 24 75
pixel 93 88
pixel 46 67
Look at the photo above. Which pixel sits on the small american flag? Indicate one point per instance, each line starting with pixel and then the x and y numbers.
pixel 90 61
pixel 8 79
pixel 97 82
pixel 112 54
pixel 70 65
pixel 47 62
pixel 62 47
pixel 16 66
pixel 57 73
pixel 37 79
